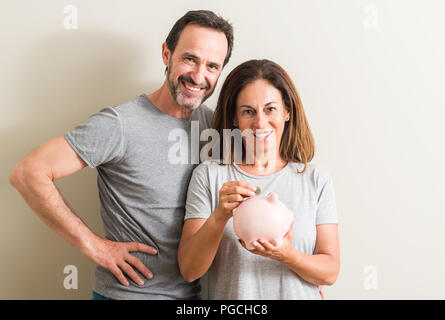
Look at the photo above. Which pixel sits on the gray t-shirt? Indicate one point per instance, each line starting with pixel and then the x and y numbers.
pixel 238 274
pixel 142 194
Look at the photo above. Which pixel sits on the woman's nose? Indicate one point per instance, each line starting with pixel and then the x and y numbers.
pixel 260 121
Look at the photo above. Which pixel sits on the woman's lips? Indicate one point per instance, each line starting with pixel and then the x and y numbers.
pixel 263 135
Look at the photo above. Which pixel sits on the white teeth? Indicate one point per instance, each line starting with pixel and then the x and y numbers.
pixel 194 89
pixel 263 135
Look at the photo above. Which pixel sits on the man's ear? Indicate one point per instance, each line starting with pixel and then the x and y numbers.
pixel 166 54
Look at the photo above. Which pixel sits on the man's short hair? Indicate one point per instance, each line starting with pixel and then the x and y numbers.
pixel 203 18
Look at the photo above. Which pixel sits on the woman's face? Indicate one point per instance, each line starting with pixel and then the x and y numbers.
pixel 260 108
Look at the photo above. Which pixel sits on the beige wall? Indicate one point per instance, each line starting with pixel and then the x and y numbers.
pixel 371 77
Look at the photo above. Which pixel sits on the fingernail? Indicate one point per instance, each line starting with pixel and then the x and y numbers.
pixel 141 282
pixel 150 275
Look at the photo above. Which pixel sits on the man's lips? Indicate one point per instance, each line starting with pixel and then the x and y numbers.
pixel 191 89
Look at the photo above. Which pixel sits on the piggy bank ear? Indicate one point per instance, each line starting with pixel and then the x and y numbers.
pixel 272 198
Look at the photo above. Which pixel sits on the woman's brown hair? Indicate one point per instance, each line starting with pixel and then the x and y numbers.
pixel 297 142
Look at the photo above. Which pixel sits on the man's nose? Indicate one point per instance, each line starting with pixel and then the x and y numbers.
pixel 198 75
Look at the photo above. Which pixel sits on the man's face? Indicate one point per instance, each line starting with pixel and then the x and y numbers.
pixel 195 65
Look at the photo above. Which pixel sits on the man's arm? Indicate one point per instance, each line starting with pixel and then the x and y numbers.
pixel 34 178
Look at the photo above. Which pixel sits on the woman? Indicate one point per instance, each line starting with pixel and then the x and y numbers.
pixel 260 100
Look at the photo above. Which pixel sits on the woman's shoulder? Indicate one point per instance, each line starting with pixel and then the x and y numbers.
pixel 209 166
pixel 314 171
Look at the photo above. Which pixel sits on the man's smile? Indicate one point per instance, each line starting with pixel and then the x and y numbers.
pixel 191 89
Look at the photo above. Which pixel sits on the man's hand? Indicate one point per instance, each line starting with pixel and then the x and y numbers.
pixel 34 178
pixel 116 257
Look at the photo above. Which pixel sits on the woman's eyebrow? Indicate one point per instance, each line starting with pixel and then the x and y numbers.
pixel 247 106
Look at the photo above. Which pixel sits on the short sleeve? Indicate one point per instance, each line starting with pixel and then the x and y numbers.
pixel 326 205
pixel 99 139
pixel 198 204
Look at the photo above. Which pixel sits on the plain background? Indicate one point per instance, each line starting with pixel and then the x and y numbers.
pixel 371 78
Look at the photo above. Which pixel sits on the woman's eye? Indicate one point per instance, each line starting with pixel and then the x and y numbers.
pixel 248 112
pixel 271 109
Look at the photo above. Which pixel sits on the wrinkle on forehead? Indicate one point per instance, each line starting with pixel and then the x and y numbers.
pixel 208 45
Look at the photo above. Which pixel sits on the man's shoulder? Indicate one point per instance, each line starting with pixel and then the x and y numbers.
pixel 137 102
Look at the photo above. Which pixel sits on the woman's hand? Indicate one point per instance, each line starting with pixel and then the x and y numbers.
pixel 231 194
pixel 266 249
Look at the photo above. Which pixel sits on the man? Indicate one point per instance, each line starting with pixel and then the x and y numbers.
pixel 142 195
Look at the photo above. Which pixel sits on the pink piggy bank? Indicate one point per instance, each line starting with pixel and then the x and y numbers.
pixel 261 217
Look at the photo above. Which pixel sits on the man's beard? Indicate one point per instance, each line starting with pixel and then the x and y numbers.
pixel 178 95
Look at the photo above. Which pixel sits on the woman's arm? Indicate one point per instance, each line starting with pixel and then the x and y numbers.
pixel 201 237
pixel 199 242
pixel 320 268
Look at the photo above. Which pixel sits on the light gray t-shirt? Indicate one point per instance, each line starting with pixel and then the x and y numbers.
pixel 238 274
pixel 142 194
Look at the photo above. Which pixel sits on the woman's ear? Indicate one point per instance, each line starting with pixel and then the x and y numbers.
pixel 235 121
pixel 286 115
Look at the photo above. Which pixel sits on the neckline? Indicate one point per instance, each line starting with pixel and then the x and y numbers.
pixel 151 104
pixel 261 177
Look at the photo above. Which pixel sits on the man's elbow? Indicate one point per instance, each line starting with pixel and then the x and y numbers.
pixel 17 177
pixel 25 173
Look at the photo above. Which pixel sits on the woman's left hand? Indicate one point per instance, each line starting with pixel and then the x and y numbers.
pixel 266 249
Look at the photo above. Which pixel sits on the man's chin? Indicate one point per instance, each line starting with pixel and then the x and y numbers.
pixel 190 105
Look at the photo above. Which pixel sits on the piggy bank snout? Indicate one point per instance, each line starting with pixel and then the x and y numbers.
pixel 262 217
